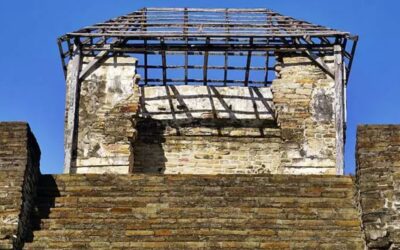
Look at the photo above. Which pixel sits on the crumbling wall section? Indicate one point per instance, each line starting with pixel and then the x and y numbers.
pixel 207 130
pixel 108 104
pixel 304 97
pixel 19 174
pixel 378 181
pixel 293 127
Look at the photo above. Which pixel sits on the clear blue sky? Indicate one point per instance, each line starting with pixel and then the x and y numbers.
pixel 32 85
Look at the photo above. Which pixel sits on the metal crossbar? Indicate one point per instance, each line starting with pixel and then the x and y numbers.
pixel 254 35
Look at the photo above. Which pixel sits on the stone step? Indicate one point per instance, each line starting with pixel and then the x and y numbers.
pixel 187 211
pixel 272 245
pixel 140 221
pixel 162 236
pixel 85 234
pixel 238 191
pixel 201 213
pixel 199 180
pixel 196 201
pixel 233 212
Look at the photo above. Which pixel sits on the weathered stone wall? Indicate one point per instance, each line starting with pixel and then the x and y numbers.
pixel 144 211
pixel 292 129
pixel 206 130
pixel 378 180
pixel 19 173
pixel 107 105
pixel 200 152
pixel 305 99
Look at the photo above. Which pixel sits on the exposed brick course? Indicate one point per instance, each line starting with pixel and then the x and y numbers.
pixel 378 180
pixel 288 128
pixel 197 212
pixel 19 172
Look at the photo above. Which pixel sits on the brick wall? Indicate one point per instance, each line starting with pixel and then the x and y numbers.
pixel 19 172
pixel 378 180
pixel 291 127
pixel 304 97
pixel 203 130
pixel 107 105
pixel 205 150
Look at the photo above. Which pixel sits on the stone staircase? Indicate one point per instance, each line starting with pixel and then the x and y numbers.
pixel 196 212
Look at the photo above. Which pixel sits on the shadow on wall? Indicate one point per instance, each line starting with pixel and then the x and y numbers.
pixel 174 118
pixel 48 191
pixel 188 102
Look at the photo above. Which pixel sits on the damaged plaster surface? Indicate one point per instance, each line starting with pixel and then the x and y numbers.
pixel 107 105
pixel 290 127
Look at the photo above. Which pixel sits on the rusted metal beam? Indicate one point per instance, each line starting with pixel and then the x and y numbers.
pixel 205 63
pixel 248 63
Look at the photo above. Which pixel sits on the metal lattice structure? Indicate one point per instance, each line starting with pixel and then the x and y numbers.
pixel 179 45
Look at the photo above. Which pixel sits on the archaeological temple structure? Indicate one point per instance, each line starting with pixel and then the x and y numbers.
pixel 206 92
pixel 203 129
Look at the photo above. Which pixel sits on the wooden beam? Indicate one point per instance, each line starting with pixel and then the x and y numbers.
pixel 93 65
pixel 320 63
pixel 71 126
pixel 352 53
pixel 100 58
pixel 340 109
pixel 140 48
pixel 61 51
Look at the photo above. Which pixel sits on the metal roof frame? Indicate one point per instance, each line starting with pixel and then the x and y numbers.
pixel 187 32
